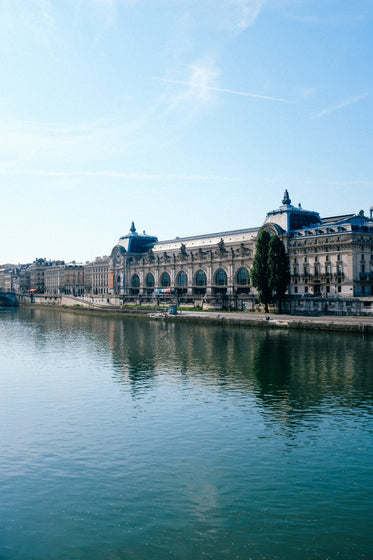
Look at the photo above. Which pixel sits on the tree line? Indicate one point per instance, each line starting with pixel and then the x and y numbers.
pixel 270 273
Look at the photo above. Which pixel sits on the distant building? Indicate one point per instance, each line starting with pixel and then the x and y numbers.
pixel 37 274
pixel 97 276
pixel 6 277
pixel 74 279
pixel 61 278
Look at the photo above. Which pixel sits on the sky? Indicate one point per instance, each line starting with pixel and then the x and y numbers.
pixel 185 116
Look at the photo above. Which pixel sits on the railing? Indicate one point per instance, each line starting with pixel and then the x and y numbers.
pixel 366 276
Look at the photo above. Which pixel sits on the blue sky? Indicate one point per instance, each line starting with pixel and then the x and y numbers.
pixel 186 116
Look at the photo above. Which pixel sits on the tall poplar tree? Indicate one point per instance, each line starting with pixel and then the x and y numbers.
pixel 260 273
pixel 278 264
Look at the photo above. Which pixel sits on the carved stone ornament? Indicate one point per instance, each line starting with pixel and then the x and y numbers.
pixel 221 250
pixel 286 200
pixel 243 251
pixel 150 256
pixel 182 255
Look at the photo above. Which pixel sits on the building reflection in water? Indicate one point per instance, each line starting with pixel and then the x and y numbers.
pixel 286 373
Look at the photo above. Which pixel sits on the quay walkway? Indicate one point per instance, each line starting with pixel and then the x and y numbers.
pixel 346 323
pixel 325 322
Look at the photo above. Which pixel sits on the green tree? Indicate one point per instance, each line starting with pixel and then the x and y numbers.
pixel 278 264
pixel 260 273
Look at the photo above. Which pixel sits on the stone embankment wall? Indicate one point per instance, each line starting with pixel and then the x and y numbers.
pixel 342 324
pixel 322 306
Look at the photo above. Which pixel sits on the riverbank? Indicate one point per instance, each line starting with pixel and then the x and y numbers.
pixel 327 323
pixel 245 319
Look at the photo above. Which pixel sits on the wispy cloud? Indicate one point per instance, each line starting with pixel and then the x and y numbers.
pixel 110 9
pixel 30 22
pixel 116 175
pixel 246 11
pixel 336 182
pixel 203 88
pixel 342 105
pixel 233 14
pixel 26 141
pixel 196 94
pixel 338 19
pixel 308 92
pixel 201 85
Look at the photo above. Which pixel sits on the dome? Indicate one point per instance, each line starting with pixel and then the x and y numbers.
pixel 290 218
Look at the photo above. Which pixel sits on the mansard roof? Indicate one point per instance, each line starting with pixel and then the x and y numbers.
pixel 207 239
pixel 288 218
pixel 337 219
pixel 358 219
pixel 135 242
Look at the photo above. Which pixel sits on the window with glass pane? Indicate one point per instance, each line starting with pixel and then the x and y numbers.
pixel 201 279
pixel 135 282
pixel 221 278
pixel 150 281
pixel 182 280
pixel 165 280
pixel 243 278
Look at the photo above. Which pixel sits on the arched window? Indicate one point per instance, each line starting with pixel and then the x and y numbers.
pixel 149 280
pixel 182 280
pixel 243 277
pixel 181 283
pixel 135 282
pixel 165 280
pixel 201 278
pixel 221 278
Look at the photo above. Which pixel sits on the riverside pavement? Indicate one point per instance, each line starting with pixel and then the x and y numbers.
pixel 323 322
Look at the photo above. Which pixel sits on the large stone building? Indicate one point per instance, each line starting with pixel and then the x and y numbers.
pixel 207 266
pixel 330 257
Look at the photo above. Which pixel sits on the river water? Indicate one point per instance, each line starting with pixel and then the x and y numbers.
pixel 123 438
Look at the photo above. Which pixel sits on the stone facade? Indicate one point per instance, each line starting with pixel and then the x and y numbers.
pixel 64 279
pixel 209 267
pixel 330 257
pixel 6 278
pixel 97 276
